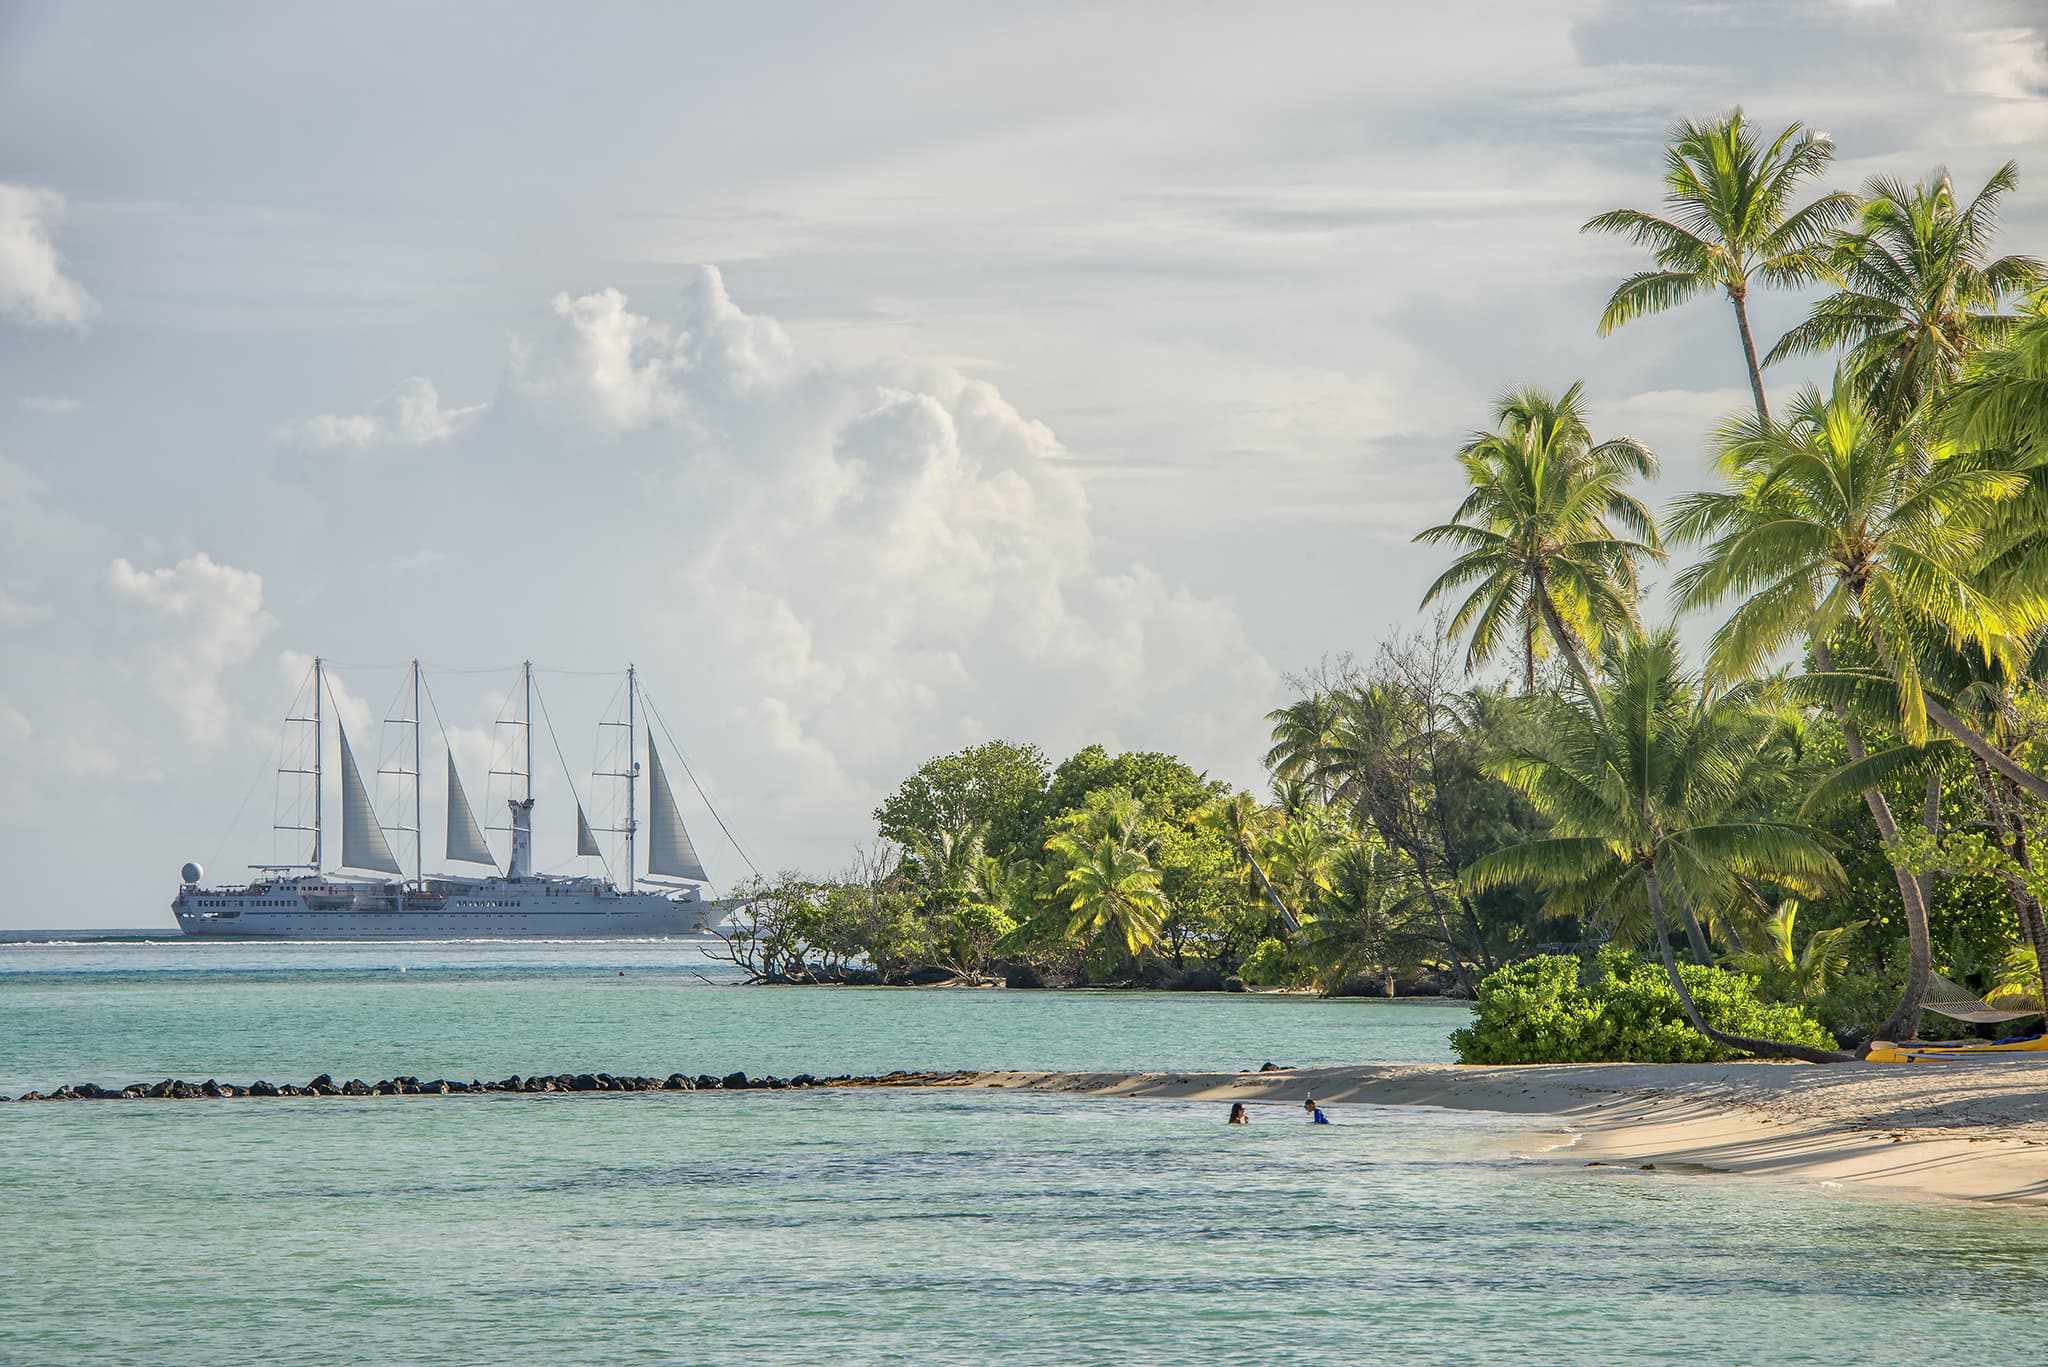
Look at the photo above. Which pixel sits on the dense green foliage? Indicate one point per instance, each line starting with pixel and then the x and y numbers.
pixel 1838 832
pixel 1618 1009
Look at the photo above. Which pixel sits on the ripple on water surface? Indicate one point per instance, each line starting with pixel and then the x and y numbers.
pixel 879 1226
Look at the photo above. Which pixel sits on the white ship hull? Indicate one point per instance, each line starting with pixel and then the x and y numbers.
pixel 505 909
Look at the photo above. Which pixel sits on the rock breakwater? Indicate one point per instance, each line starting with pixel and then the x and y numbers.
pixel 177 1089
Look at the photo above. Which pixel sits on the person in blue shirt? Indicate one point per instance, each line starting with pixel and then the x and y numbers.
pixel 1315 1112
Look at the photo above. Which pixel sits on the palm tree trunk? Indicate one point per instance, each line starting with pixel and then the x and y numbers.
pixel 1985 750
pixel 1695 937
pixel 1905 1017
pixel 1930 818
pixel 2011 826
pixel 1444 927
pixel 1737 294
pixel 1770 1048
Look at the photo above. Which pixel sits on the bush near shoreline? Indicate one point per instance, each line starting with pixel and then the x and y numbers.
pixel 1619 1009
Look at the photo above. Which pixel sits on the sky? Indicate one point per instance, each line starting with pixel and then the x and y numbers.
pixel 877 379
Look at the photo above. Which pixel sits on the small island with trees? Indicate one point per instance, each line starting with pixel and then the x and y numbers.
pixel 1786 846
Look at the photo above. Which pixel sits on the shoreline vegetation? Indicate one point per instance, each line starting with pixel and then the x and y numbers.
pixel 1788 847
pixel 1947 1131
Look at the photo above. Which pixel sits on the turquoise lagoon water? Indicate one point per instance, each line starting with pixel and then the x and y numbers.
pixel 797 1227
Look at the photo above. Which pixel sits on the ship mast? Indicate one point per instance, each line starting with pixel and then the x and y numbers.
pixel 319 787
pixel 419 825
pixel 632 773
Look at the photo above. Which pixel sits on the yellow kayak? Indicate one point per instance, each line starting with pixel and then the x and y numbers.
pixel 1883 1051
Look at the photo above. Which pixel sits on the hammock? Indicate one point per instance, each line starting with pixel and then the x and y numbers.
pixel 1956 1002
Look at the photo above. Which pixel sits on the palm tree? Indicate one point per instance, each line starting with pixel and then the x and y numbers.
pixel 1919 292
pixel 1726 223
pixel 1834 518
pixel 1808 969
pixel 1112 889
pixel 1360 923
pixel 1832 522
pixel 1303 732
pixel 1648 794
pixel 2001 403
pixel 1537 533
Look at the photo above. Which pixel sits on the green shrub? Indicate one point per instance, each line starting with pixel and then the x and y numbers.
pixel 1618 1009
pixel 1274 964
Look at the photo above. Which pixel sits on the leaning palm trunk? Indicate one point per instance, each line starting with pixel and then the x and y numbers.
pixel 1749 1045
pixel 1985 750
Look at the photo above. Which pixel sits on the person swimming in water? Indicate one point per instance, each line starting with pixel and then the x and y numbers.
pixel 1238 1114
pixel 1314 1112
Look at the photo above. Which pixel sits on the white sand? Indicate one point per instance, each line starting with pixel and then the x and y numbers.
pixel 1963 1130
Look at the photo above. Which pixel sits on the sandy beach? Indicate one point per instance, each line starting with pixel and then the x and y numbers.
pixel 1975 1131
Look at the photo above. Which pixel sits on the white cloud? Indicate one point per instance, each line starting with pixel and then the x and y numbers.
pixel 50 407
pixel 410 415
pixel 623 371
pixel 888 550
pixel 33 286
pixel 200 618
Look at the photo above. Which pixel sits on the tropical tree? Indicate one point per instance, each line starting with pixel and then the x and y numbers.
pixel 1112 892
pixel 1728 222
pixel 2001 403
pixel 1549 535
pixel 1807 969
pixel 1649 794
pixel 1361 921
pixel 1834 522
pixel 1303 732
pixel 1920 291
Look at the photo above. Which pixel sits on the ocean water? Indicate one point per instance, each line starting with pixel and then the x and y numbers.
pixel 870 1226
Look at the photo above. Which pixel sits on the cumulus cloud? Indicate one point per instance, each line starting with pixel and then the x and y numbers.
pixel 33 286
pixel 197 619
pixel 889 553
pixel 624 371
pixel 410 415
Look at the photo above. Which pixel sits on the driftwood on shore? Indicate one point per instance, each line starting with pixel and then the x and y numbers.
pixel 175 1089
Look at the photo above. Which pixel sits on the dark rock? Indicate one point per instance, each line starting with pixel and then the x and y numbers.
pixel 1271 1068
pixel 30 1096
pixel 436 1088
pixel 678 1083
pixel 386 1088
pixel 1233 983
pixel 803 1080
pixel 210 1088
pixel 706 1082
pixel 86 1091
pixel 510 1084
pixel 261 1088
pixel 160 1090
pixel 324 1080
pixel 184 1091
pixel 134 1091
pixel 606 1082
pixel 775 1083
pixel 583 1082
pixel 735 1080
pixel 408 1088
pixel 355 1086
pixel 925 975
pixel 1195 980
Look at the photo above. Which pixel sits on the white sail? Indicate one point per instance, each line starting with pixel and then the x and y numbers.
pixel 669 851
pixel 465 839
pixel 586 843
pixel 362 839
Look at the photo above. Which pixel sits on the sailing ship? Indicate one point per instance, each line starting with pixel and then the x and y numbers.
pixel 368 897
